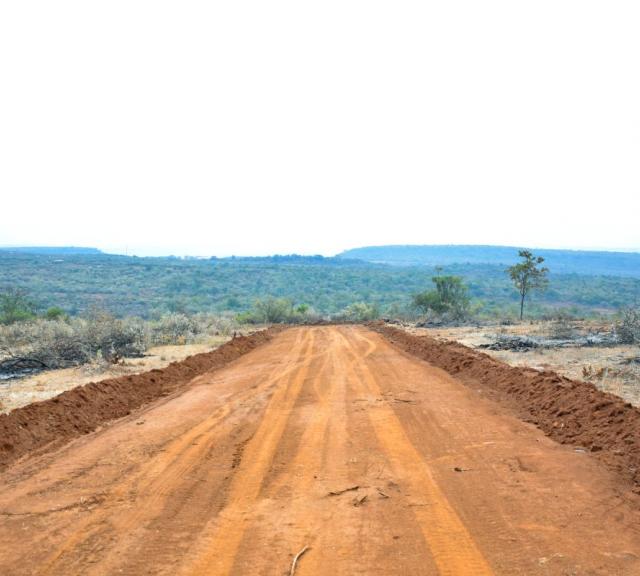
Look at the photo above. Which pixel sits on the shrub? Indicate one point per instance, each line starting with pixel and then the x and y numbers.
pixel 54 344
pixel 15 306
pixel 59 344
pixel 55 313
pixel 628 327
pixel 269 311
pixel 274 310
pixel 449 299
pixel 114 338
pixel 174 329
pixel 360 312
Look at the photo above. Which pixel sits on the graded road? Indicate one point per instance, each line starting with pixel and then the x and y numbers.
pixel 328 438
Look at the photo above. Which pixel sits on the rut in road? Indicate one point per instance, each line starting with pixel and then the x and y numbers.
pixel 326 437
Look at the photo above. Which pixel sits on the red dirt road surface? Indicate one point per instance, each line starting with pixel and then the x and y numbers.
pixel 328 438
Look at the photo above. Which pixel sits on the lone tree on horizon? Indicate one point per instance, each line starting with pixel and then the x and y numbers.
pixel 528 275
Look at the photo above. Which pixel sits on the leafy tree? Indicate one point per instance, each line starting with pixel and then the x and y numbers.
pixel 449 297
pixel 15 306
pixel 528 275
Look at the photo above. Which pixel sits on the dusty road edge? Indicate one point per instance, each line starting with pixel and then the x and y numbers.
pixel 568 411
pixel 83 409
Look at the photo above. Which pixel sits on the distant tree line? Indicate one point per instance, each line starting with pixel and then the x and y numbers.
pixel 153 287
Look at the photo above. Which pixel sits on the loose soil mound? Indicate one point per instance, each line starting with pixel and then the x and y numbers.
pixel 569 411
pixel 82 409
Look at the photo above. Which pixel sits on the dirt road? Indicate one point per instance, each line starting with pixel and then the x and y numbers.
pixel 329 438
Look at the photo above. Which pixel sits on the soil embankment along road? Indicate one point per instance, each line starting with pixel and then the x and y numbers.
pixel 328 438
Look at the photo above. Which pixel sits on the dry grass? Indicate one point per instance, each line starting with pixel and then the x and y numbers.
pixel 97 347
pixel 16 393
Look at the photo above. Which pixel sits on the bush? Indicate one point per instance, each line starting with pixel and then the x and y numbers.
pixel 359 312
pixel 55 313
pixel 449 300
pixel 174 329
pixel 15 306
pixel 114 338
pixel 54 344
pixel 183 329
pixel 59 344
pixel 273 310
pixel 628 327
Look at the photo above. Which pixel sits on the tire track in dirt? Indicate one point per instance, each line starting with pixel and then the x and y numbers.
pixel 228 530
pixel 453 443
pixel 443 444
pixel 342 513
pixel 309 453
pixel 453 549
pixel 156 480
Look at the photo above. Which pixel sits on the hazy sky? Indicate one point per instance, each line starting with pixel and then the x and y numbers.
pixel 260 127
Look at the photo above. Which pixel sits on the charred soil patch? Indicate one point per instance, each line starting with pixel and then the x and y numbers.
pixel 568 411
pixel 81 410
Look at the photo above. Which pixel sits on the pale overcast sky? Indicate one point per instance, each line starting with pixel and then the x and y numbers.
pixel 244 127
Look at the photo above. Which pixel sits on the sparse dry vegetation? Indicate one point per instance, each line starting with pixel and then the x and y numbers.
pixel 60 343
pixel 593 351
pixel 563 327
pixel 185 329
pixel 359 312
pixel 272 310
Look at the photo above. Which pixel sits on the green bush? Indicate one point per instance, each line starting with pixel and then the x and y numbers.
pixel 55 313
pixel 449 299
pixel 15 306
pixel 272 310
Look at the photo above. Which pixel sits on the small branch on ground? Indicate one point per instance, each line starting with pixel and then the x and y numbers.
pixel 295 560
pixel 19 361
pixel 338 492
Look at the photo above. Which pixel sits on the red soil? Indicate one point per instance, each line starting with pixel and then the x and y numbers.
pixel 81 410
pixel 568 411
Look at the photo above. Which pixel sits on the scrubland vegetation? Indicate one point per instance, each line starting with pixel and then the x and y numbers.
pixel 152 287
pixel 59 310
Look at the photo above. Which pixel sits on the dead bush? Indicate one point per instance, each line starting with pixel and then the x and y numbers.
pixel 54 344
pixel 174 329
pixel 562 327
pixel 60 343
